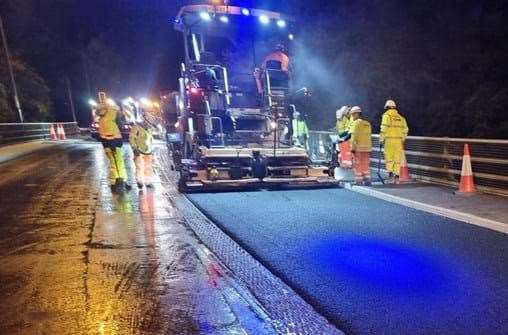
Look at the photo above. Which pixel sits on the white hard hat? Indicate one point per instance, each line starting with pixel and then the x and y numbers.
pixel 355 109
pixel 341 112
pixel 295 114
pixel 390 103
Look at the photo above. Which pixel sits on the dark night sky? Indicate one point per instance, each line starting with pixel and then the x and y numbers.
pixel 437 58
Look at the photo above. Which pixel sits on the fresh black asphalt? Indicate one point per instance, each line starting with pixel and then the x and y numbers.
pixel 370 266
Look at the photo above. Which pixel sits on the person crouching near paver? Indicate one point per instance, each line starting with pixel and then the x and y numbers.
pixel 111 138
pixel 141 141
pixel 393 133
pixel 360 135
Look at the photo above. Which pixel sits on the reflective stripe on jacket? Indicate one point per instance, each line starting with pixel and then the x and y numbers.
pixel 141 140
pixel 361 135
pixel 108 127
pixel 393 125
pixel 342 124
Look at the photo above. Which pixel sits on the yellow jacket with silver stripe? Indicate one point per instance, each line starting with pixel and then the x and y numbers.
pixel 361 135
pixel 393 126
pixel 108 127
pixel 141 140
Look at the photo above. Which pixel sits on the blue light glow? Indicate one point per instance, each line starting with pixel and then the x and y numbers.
pixel 224 19
pixel 281 23
pixel 205 16
pixel 291 37
pixel 245 11
pixel 264 19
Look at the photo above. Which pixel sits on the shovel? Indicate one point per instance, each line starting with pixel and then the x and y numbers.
pixel 379 165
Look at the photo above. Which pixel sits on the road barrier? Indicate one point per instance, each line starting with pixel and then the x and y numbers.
pixel 23 132
pixel 438 159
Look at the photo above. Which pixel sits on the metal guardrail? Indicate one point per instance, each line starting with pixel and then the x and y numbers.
pixel 23 132
pixel 437 159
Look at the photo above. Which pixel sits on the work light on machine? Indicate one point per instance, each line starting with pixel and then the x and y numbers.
pixel 205 16
pixel 281 23
pixel 224 19
pixel 245 11
pixel 264 19
pixel 92 102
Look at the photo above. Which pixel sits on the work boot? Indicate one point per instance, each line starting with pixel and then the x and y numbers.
pixel 140 184
pixel 120 186
pixel 149 185
pixel 367 182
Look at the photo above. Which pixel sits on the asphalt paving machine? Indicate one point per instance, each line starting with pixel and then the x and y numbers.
pixel 233 116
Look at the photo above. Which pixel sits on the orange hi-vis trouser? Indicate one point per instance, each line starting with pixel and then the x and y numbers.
pixel 393 154
pixel 361 166
pixel 144 169
pixel 345 156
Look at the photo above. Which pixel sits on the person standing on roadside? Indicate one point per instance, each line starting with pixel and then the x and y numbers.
pixel 360 136
pixel 111 138
pixel 141 141
pixel 342 126
pixel 392 136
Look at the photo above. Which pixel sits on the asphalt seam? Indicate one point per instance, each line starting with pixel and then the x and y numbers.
pixel 445 212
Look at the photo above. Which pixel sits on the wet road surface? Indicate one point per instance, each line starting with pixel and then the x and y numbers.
pixel 74 259
pixel 373 267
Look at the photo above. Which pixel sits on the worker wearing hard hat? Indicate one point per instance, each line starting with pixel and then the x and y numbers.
pixel 393 133
pixel 360 135
pixel 342 126
pixel 300 130
pixel 141 141
pixel 111 138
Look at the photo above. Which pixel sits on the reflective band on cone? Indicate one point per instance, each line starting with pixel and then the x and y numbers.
pixel 52 133
pixel 404 169
pixel 466 186
pixel 61 132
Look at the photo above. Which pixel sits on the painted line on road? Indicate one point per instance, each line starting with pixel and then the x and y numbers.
pixel 448 213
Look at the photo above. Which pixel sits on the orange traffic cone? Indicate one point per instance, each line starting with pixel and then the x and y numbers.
pixel 466 186
pixel 61 132
pixel 52 134
pixel 404 169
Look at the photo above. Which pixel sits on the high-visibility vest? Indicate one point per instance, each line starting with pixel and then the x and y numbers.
pixel 141 139
pixel 278 56
pixel 361 135
pixel 393 126
pixel 108 127
pixel 342 124
pixel 299 128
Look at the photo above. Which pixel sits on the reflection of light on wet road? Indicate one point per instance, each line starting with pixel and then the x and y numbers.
pixel 77 259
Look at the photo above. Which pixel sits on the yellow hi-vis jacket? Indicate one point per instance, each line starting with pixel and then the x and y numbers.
pixel 108 127
pixel 393 126
pixel 141 140
pixel 361 135
pixel 342 124
pixel 299 128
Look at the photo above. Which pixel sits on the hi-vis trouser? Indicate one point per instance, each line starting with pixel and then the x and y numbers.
pixel 113 150
pixel 393 154
pixel 144 169
pixel 345 155
pixel 361 166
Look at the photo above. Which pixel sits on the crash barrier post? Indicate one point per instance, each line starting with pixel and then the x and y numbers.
pixel 24 132
pixel 438 159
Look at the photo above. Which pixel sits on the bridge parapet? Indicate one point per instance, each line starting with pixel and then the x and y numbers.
pixel 23 132
pixel 438 159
